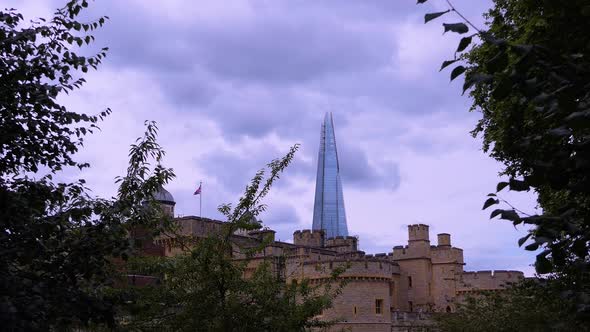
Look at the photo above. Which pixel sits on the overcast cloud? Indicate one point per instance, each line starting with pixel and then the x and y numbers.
pixel 234 84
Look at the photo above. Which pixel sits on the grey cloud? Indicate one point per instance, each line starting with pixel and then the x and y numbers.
pixel 277 73
pixel 253 78
pixel 287 50
pixel 357 171
pixel 232 170
pixel 283 219
pixel 235 170
pixel 282 46
pixel 279 214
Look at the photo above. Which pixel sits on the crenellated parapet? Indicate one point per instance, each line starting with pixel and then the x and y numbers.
pixel 267 235
pixel 446 254
pixel 309 238
pixel 418 232
pixel 444 239
pixel 488 280
pixel 367 269
pixel 410 252
pixel 380 255
pixel 342 244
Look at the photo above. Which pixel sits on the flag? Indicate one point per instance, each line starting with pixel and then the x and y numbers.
pixel 198 191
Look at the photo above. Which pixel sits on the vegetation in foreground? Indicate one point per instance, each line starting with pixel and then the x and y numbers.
pixel 528 73
pixel 61 248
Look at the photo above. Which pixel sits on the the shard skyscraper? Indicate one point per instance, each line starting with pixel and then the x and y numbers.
pixel 328 210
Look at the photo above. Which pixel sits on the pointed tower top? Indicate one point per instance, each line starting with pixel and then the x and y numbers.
pixel 329 213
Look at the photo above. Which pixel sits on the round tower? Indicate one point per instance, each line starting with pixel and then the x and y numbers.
pixel 166 200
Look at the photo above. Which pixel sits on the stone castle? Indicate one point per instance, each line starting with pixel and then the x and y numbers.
pixel 383 292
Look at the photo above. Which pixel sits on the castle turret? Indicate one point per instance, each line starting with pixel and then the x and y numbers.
pixel 309 238
pixel 418 240
pixel 342 244
pixel 418 232
pixel 444 240
pixel 165 198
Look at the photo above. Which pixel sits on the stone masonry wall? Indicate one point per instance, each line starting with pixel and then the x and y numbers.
pixel 488 280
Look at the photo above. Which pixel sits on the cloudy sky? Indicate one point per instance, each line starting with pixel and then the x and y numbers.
pixel 234 84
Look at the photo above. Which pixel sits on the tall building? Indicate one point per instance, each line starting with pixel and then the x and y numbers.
pixel 384 292
pixel 328 210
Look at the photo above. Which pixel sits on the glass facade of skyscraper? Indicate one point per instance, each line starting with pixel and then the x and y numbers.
pixel 328 212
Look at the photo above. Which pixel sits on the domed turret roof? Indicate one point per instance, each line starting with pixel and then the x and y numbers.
pixel 164 196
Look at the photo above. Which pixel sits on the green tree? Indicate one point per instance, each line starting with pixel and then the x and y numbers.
pixel 57 242
pixel 205 288
pixel 528 73
pixel 527 306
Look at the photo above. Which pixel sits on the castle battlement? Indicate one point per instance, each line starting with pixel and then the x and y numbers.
pixel 342 244
pixel 418 232
pixel 488 279
pixel 308 237
pixel 446 254
pixel 381 255
pixel 382 289
pixel 357 268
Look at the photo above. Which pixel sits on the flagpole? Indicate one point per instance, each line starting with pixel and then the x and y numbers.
pixel 201 200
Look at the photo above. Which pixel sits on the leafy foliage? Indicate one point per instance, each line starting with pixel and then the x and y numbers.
pixel 58 244
pixel 530 77
pixel 528 306
pixel 207 288
pixel 37 63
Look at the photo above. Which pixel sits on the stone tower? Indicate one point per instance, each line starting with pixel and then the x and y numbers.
pixel 328 210
pixel 165 198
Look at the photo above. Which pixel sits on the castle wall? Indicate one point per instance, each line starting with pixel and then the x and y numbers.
pixel 370 269
pixel 342 244
pixel 356 307
pixel 418 276
pixel 367 280
pixel 488 280
pixel 415 278
pixel 309 238
pixel 445 278
pixel 447 269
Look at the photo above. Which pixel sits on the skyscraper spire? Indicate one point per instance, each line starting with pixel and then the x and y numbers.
pixel 328 210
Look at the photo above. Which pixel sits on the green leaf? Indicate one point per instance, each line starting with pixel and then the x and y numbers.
pixel 495 213
pixel 502 89
pixel 475 78
pixel 543 265
pixel 522 49
pixel 464 43
pixel 489 202
pixel 422 1
pixel 518 185
pixel 497 63
pixel 524 239
pixel 460 28
pixel 457 71
pixel 446 64
pixel 500 186
pixel 431 16
pixel 532 247
pixel 579 248
pixel 510 215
